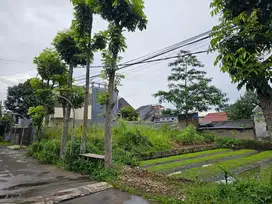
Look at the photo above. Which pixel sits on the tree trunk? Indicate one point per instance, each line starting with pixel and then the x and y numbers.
pixel 65 131
pixel 108 122
pixel 86 98
pixel 186 119
pixel 266 105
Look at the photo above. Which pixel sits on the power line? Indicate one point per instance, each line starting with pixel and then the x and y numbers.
pixel 15 73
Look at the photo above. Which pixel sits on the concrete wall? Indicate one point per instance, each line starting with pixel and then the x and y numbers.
pixel 243 134
pixel 260 125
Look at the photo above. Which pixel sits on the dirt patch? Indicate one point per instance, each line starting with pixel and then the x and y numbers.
pixel 142 182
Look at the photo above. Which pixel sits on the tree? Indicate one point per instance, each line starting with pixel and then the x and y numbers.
pixel 53 73
pixel 37 115
pixel 189 88
pixel 121 15
pixel 243 41
pixel 71 53
pixel 20 98
pixel 82 26
pixel 242 108
pixel 128 113
pixel 169 111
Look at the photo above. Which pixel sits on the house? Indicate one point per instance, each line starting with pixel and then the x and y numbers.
pixel 149 112
pixel 122 103
pixel 95 112
pixel 165 119
pixel 237 129
pixel 213 118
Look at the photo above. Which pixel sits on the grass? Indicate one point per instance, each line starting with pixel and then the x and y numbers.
pixel 173 165
pixel 180 157
pixel 228 165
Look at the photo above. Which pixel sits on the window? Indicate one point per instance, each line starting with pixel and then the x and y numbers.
pixel 173 118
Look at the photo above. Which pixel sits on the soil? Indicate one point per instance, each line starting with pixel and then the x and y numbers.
pixel 143 182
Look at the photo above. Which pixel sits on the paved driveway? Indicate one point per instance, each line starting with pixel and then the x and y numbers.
pixel 22 177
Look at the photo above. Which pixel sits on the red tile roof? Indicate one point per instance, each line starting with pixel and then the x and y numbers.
pixel 215 117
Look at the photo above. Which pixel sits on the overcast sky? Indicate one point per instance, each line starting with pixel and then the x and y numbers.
pixel 28 26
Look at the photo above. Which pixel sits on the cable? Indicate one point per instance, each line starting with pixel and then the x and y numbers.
pixel 172 46
pixel 17 72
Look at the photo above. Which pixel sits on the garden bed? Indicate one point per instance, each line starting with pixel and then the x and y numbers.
pixel 196 162
pixel 216 170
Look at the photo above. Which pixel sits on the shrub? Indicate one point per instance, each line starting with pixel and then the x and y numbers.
pixel 189 135
pixel 243 144
pixel 47 151
pixel 123 157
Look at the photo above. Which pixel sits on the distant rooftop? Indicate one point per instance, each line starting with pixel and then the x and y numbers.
pixel 215 117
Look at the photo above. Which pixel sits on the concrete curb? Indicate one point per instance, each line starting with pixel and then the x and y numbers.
pixel 67 194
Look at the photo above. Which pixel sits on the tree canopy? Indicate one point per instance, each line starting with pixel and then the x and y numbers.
pixel 20 98
pixel 189 88
pixel 243 41
pixel 242 108
pixel 128 113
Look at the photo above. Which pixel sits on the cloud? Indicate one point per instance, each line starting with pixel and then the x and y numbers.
pixel 27 27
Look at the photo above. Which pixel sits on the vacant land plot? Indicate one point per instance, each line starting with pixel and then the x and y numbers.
pixel 208 165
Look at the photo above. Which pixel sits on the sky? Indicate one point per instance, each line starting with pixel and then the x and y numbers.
pixel 27 27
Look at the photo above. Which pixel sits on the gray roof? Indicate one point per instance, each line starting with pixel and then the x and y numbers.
pixel 235 124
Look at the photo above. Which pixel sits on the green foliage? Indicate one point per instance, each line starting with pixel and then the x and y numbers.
pixel 180 157
pixel 37 115
pixel 250 192
pixel 69 51
pixel 189 135
pixel 189 88
pixel 243 144
pixel 76 95
pixel 228 165
pixel 20 98
pixel 242 108
pixel 243 41
pixel 210 158
pixel 47 151
pixel 50 67
pixel 128 113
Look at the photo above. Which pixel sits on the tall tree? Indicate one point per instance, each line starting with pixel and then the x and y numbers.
pixel 71 53
pixel 121 15
pixel 189 88
pixel 20 98
pixel 242 108
pixel 82 25
pixel 243 40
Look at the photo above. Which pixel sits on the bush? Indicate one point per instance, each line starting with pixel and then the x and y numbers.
pixel 47 151
pixel 188 136
pixel 243 144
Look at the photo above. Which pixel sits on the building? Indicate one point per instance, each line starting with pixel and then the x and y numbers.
pixel 165 119
pixel 213 118
pixel 95 112
pixel 149 112
pixel 237 129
